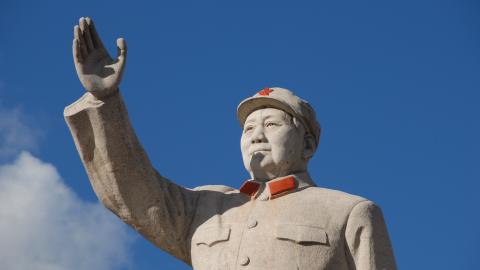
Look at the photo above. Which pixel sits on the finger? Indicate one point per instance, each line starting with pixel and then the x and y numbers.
pixel 81 43
pixel 77 53
pixel 122 51
pixel 97 42
pixel 86 34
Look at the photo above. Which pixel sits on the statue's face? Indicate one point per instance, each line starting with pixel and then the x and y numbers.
pixel 272 145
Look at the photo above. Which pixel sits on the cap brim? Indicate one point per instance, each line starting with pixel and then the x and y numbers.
pixel 253 103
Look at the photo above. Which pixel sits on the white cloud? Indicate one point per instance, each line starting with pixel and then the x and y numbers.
pixel 45 226
pixel 15 135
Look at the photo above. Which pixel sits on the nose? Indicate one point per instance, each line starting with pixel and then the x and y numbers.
pixel 258 136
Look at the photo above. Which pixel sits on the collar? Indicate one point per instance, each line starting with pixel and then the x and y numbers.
pixel 278 187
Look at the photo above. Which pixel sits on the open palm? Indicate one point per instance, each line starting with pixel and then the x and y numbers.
pixel 98 72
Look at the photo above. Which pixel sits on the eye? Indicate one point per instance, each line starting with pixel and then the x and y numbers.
pixel 247 129
pixel 271 124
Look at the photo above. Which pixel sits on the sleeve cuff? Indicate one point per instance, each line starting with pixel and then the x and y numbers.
pixel 87 101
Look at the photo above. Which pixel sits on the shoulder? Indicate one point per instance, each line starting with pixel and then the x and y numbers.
pixel 334 202
pixel 215 188
pixel 366 210
pixel 331 195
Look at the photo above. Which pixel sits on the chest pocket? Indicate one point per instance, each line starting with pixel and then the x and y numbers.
pixel 301 234
pixel 209 236
pixel 211 248
pixel 307 247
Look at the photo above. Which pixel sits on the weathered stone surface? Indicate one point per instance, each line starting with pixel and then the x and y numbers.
pixel 277 220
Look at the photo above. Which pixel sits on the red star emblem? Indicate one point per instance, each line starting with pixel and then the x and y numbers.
pixel 265 92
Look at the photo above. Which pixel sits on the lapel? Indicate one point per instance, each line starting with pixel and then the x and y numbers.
pixel 277 187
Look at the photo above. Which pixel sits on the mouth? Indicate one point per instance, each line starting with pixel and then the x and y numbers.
pixel 259 151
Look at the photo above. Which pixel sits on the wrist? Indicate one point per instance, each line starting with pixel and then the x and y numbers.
pixel 105 94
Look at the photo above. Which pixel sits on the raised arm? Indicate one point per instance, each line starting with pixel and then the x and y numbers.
pixel 117 166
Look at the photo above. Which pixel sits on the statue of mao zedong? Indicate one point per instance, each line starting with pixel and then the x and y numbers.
pixel 279 219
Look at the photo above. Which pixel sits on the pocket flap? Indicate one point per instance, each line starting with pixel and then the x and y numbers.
pixel 301 234
pixel 211 235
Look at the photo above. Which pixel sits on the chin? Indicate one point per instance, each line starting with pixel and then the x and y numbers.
pixel 261 161
pixel 269 170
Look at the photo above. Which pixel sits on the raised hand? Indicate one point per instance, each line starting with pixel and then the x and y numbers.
pixel 97 71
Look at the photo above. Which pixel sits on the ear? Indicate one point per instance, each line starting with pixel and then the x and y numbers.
pixel 309 146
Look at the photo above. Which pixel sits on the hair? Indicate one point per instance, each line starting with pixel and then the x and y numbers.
pixel 299 126
pixel 295 122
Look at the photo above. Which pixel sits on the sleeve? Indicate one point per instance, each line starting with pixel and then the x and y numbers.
pixel 369 246
pixel 123 178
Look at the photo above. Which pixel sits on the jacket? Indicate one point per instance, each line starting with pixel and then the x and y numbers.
pixel 286 223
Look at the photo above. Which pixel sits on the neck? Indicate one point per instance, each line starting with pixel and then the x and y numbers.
pixel 267 176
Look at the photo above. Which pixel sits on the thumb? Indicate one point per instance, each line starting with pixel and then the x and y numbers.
pixel 121 51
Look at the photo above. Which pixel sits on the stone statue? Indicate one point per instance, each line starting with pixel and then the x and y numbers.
pixel 277 220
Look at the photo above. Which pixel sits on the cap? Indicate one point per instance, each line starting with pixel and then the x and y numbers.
pixel 285 100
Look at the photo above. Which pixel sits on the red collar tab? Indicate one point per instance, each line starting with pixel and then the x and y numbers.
pixel 249 188
pixel 265 92
pixel 281 186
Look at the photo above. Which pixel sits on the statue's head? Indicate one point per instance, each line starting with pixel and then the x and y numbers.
pixel 280 133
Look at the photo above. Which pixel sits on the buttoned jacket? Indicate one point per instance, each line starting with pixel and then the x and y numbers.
pixel 286 223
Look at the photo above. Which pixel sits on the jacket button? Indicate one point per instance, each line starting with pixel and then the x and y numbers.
pixel 252 224
pixel 244 260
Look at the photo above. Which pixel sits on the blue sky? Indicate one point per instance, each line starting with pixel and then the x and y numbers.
pixel 395 87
